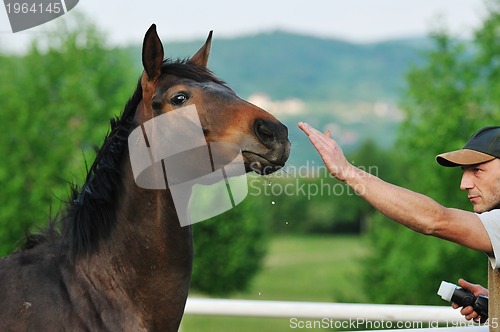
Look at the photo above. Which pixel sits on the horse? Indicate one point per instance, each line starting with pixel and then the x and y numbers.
pixel 116 257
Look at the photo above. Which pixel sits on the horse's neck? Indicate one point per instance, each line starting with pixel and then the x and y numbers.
pixel 150 253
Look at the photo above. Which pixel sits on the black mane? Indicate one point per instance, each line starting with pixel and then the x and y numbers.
pixel 189 70
pixel 90 213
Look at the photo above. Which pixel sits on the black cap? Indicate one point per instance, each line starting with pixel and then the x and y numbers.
pixel 483 146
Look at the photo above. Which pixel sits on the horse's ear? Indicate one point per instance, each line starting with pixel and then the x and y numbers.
pixel 152 54
pixel 201 57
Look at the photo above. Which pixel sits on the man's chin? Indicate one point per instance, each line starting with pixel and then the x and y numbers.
pixel 480 208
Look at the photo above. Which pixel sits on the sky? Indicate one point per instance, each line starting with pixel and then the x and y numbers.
pixel 364 21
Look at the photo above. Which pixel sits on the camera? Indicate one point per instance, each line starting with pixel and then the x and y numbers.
pixel 464 298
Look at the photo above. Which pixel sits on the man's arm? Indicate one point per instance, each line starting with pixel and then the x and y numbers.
pixel 413 210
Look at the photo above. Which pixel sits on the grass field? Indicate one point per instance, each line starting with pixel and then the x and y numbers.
pixel 297 268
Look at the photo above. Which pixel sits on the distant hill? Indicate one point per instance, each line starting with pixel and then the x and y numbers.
pixel 285 65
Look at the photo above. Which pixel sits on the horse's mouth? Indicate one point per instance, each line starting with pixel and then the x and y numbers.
pixel 261 164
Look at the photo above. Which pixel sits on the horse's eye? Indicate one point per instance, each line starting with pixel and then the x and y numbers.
pixel 179 99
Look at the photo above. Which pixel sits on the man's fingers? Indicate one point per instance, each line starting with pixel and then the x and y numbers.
pixel 466 310
pixel 469 313
pixel 474 288
pixel 312 131
pixel 465 284
pixel 474 316
pixel 307 128
pixel 320 141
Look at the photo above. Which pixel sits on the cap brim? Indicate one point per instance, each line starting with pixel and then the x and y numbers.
pixel 463 157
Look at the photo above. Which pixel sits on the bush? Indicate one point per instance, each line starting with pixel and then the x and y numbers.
pixel 229 249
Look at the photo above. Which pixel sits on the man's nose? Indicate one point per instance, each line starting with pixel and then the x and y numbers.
pixel 466 182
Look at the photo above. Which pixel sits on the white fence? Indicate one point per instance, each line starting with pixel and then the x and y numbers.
pixel 301 314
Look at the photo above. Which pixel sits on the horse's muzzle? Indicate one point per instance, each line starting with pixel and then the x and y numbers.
pixel 274 136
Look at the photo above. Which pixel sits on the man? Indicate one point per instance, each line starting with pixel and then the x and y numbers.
pixel 479 230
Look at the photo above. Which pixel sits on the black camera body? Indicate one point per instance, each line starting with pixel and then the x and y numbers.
pixel 464 298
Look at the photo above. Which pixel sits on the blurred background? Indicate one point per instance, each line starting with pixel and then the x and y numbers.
pixel 395 83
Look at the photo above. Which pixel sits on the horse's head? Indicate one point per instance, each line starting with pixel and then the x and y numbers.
pixel 224 116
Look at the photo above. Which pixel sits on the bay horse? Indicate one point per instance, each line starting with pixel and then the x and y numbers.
pixel 116 258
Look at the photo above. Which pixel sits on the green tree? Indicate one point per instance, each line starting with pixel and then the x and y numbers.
pixel 447 99
pixel 55 104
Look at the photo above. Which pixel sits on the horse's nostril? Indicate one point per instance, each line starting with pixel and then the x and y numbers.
pixel 265 129
pixel 267 132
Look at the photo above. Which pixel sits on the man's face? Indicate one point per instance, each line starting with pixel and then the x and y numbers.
pixel 482 182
